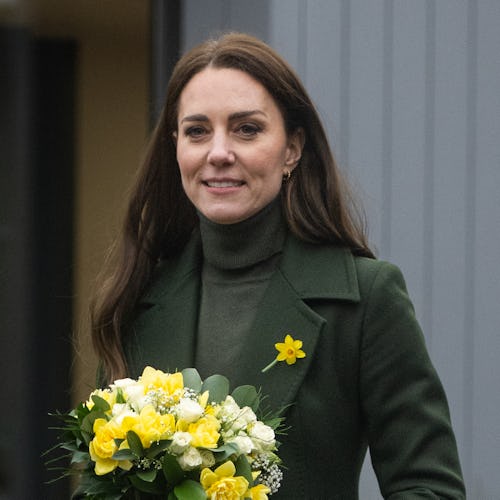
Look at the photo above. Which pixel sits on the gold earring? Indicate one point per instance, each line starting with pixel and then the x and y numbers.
pixel 286 175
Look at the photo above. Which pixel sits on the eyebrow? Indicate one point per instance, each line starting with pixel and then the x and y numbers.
pixel 233 116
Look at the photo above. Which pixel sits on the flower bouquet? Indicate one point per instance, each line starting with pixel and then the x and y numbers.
pixel 172 436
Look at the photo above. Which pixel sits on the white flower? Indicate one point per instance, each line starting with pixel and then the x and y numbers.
pixel 133 392
pixel 189 410
pixel 135 396
pixel 180 442
pixel 245 417
pixel 119 408
pixel 236 417
pixel 190 459
pixel 262 435
pixel 244 444
pixel 229 406
pixel 207 458
pixel 123 383
pixel 120 411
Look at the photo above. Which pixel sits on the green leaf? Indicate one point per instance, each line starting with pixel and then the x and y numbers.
pixel 135 444
pixel 68 446
pixel 243 468
pixel 225 451
pixel 80 412
pixel 147 475
pixel 246 395
pixel 100 403
pixel 101 487
pixel 157 447
pixel 124 454
pixel 145 486
pixel 87 437
pixel 190 490
pixel 87 426
pixel 275 423
pixel 120 398
pixel 192 379
pixel 218 387
pixel 172 470
pixel 79 457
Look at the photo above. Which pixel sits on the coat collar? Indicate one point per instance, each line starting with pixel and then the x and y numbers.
pixel 320 271
pixel 306 272
pixel 314 271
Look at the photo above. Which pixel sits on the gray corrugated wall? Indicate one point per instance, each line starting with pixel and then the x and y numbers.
pixel 410 93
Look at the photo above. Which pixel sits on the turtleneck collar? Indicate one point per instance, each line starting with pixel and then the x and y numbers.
pixel 240 245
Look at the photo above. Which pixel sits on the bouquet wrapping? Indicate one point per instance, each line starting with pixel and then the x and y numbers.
pixel 172 436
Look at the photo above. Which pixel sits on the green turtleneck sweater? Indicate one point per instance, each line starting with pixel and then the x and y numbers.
pixel 239 260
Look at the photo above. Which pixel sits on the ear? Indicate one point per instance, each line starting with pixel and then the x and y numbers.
pixel 174 137
pixel 294 149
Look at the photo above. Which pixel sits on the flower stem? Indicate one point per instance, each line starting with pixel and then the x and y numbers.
pixel 269 366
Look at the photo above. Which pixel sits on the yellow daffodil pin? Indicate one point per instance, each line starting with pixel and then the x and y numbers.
pixel 290 350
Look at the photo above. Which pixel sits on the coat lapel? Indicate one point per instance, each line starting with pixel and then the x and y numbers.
pixel 282 312
pixel 306 272
pixel 170 321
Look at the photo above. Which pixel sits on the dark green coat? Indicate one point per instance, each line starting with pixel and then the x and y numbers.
pixel 366 378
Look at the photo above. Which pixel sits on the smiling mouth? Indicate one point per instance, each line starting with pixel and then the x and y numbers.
pixel 223 184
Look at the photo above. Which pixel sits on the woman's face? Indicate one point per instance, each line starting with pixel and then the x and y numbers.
pixel 232 147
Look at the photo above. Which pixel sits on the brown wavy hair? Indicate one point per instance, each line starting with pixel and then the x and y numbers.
pixel 160 218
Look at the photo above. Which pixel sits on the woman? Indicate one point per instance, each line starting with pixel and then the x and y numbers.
pixel 240 231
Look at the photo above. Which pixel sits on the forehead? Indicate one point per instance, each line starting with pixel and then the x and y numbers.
pixel 224 90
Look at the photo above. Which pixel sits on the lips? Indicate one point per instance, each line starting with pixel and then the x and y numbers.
pixel 223 183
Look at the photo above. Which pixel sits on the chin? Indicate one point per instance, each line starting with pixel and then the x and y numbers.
pixel 220 217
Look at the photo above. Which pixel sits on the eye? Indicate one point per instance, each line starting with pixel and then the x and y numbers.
pixel 248 129
pixel 195 131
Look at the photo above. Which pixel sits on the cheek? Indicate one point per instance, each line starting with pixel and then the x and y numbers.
pixel 270 167
pixel 187 163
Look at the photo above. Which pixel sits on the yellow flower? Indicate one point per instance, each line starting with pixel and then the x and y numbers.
pixel 203 399
pixel 205 432
pixel 103 446
pixel 258 492
pixel 290 350
pixel 106 394
pixel 150 425
pixel 221 484
pixel 171 384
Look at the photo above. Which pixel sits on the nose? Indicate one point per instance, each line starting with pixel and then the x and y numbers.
pixel 220 152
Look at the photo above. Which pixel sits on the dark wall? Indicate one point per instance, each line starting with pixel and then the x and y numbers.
pixel 37 99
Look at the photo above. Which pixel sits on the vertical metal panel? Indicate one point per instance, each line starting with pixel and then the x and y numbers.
pixel 323 76
pixel 450 194
pixel 366 126
pixel 485 233
pixel 429 162
pixel 407 145
pixel 469 305
pixel 249 17
pixel 286 29
pixel 202 19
